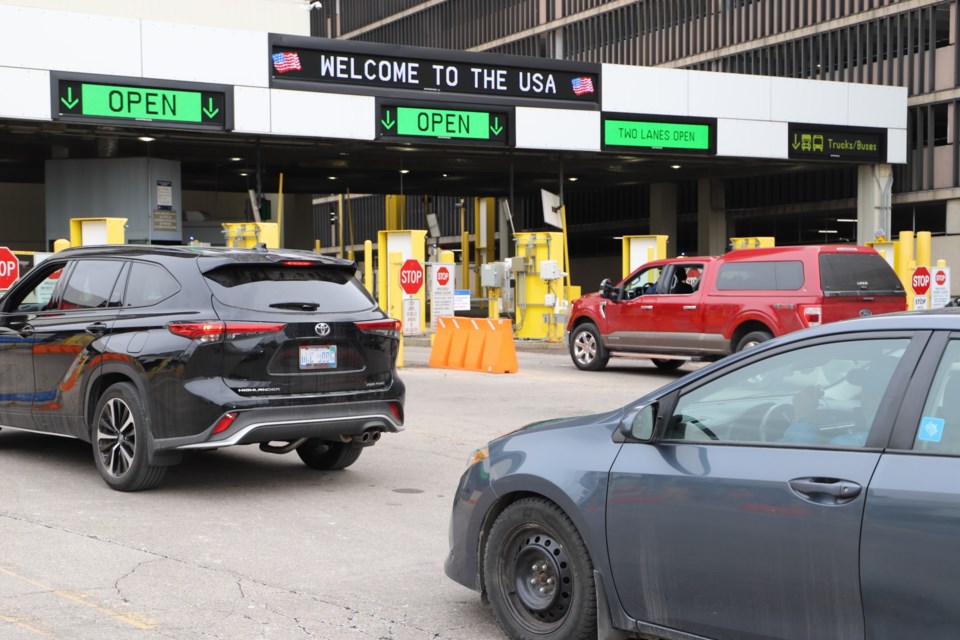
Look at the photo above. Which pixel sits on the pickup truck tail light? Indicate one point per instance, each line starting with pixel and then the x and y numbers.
pixel 812 315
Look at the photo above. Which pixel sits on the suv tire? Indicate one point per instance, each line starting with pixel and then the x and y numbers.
pixel 326 455
pixel 119 434
pixel 586 348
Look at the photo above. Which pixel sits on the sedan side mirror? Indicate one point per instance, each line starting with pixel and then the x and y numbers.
pixel 639 425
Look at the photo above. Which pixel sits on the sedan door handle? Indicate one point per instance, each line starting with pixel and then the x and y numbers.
pixel 96 329
pixel 26 331
pixel 814 488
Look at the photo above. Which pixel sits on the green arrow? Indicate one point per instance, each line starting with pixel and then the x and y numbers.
pixel 796 142
pixel 70 102
pixel 210 112
pixel 389 122
pixel 496 128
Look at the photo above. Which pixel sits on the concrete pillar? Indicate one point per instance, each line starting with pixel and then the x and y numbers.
pixel 953 217
pixel 663 213
pixel 874 188
pixel 712 236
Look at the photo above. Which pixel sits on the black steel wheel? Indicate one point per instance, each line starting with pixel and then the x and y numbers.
pixel 586 348
pixel 538 574
pixel 119 437
pixel 752 339
pixel 326 455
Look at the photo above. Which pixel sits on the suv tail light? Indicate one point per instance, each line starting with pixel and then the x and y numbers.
pixel 216 331
pixel 812 316
pixel 388 328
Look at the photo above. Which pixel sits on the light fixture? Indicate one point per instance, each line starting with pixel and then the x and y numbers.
pixel 675 166
pixel 847 220
pixel 827 231
pixel 331 177
pixel 444 175
pixel 243 174
pixel 146 139
pixel 573 178
pixel 404 171
pixel 235 159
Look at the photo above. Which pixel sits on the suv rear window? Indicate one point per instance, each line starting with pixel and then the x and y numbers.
pixel 782 275
pixel 857 274
pixel 255 286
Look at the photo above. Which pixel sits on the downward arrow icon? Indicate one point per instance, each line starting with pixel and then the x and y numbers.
pixel 69 102
pixel 496 128
pixel 796 142
pixel 209 111
pixel 389 122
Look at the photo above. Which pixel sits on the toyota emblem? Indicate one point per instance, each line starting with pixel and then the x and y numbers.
pixel 322 329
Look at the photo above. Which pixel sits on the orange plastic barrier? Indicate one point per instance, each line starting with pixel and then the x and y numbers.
pixel 474 344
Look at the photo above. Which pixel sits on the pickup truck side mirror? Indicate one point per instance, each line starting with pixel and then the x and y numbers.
pixel 609 291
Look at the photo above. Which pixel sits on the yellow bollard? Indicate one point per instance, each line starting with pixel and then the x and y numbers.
pixel 368 265
pixel 395 295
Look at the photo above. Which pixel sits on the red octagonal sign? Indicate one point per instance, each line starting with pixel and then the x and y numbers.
pixel 9 268
pixel 411 276
pixel 443 276
pixel 921 280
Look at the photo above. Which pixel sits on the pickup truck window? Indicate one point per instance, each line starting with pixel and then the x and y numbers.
pixel 783 275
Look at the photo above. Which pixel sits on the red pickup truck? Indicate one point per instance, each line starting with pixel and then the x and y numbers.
pixel 684 308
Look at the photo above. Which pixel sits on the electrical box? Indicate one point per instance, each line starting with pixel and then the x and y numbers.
pixel 493 275
pixel 517 264
pixel 550 270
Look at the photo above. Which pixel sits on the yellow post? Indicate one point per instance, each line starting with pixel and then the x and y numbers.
pixel 566 249
pixel 924 248
pixel 280 211
pixel 904 258
pixel 465 260
pixel 368 265
pixel 396 212
pixel 395 295
pixel 340 223
pixel 60 244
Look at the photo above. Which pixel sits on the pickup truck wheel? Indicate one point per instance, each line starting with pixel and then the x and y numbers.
pixel 586 348
pixel 667 364
pixel 752 339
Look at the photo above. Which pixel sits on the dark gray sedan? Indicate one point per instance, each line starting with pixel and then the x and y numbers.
pixel 808 488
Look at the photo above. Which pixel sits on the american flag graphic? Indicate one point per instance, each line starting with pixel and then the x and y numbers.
pixel 582 85
pixel 287 61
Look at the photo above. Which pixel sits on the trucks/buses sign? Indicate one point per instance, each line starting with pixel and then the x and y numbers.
pixel 78 98
pixel 444 124
pixel 823 142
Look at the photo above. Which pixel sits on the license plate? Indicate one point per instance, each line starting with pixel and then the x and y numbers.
pixel 318 357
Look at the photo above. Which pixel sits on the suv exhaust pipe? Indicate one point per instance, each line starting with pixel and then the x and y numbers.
pixel 366 439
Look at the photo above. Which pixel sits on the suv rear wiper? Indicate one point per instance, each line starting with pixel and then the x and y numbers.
pixel 296 306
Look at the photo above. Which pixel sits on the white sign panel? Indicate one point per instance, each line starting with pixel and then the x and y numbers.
pixel 442 286
pixel 939 287
pixel 461 300
pixel 920 302
pixel 411 316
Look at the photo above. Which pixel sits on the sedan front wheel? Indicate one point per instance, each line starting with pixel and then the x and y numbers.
pixel 538 574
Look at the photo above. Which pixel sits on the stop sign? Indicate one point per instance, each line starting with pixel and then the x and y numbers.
pixel 443 276
pixel 941 277
pixel 921 281
pixel 411 276
pixel 9 268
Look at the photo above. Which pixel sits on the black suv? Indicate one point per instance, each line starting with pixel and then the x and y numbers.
pixel 147 352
